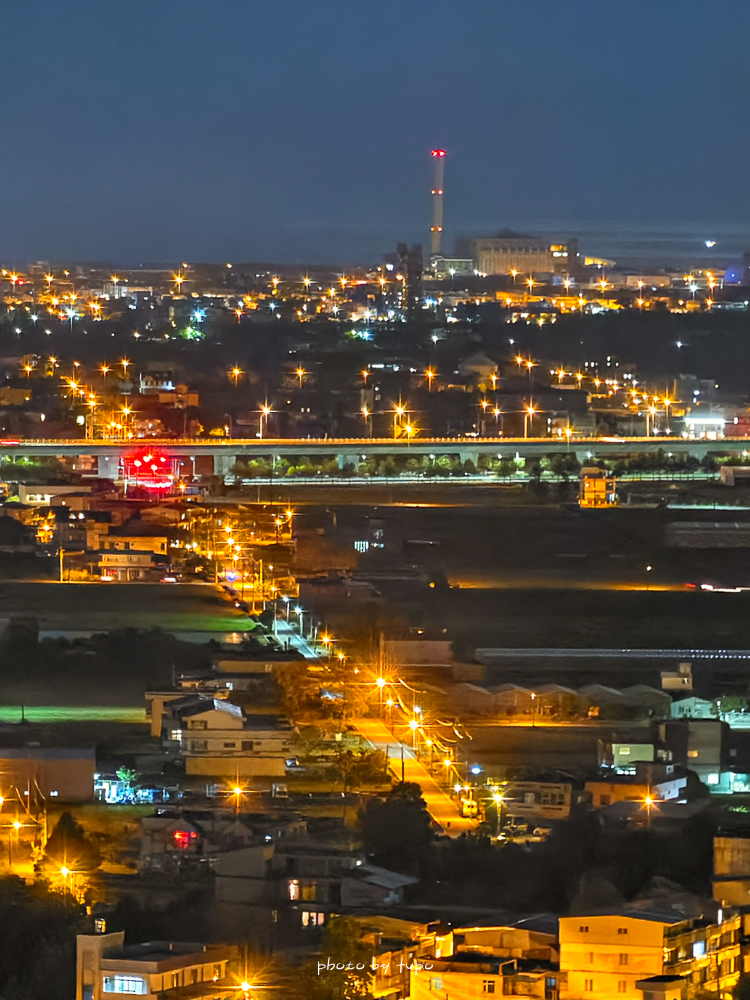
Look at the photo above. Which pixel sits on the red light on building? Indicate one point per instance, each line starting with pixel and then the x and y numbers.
pixel 438 152
pixel 149 469
pixel 182 838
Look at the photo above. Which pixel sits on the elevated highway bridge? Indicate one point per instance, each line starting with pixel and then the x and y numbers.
pixel 225 452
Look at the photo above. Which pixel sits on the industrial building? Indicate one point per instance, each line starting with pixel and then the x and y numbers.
pixel 510 252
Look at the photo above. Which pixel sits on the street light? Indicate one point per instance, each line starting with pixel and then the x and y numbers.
pixel 265 411
pixel 429 375
pixel 528 416
pixel 235 374
pixel 300 373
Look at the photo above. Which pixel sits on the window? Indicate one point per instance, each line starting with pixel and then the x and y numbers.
pixel 230 746
pixel 699 949
pixel 605 800
pixel 294 888
pixel 125 984
pixel 193 975
pixel 488 986
pixel 622 986
pixel 623 958
pixel 622 930
pixel 583 930
pixel 247 744
pixel 311 918
pixel 591 958
pixel 361 546
pixel 217 973
pixel 588 986
pixel 175 979
pixel 550 988
pixel 310 892
pixel 436 984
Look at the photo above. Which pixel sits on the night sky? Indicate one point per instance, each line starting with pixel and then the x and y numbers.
pixel 284 130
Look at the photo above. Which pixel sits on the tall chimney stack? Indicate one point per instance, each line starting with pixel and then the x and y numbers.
pixel 436 230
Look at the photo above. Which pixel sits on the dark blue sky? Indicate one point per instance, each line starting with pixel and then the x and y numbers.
pixel 300 129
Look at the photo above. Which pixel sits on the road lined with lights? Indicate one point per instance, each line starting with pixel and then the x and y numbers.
pixel 440 806
pixel 598 447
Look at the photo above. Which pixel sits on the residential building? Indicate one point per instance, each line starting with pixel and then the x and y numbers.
pixel 469 977
pixel 702 745
pixel 648 783
pixel 604 956
pixel 533 937
pixel 216 738
pixel 538 800
pixel 154 969
pixel 731 882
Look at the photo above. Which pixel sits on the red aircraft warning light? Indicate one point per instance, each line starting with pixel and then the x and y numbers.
pixel 438 152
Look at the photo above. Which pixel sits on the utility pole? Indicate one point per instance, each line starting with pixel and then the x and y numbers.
pixel 61 556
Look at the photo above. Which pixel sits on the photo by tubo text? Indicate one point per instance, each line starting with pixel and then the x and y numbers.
pixel 330 966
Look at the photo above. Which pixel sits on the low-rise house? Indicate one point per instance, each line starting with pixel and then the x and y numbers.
pixel 154 969
pixel 216 738
pixel 648 784
pixel 543 800
pixel 532 937
pixel 468 977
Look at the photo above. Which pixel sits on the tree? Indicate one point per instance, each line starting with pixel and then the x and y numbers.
pixel 396 830
pixel 344 949
pixel 69 847
pixel 37 946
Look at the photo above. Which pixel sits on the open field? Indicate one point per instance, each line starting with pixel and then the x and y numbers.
pixel 104 607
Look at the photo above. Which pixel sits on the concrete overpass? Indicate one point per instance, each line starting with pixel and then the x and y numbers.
pixel 226 451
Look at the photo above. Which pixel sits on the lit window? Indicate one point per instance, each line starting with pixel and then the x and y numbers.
pixel 712 779
pixel 124 984
pixel 294 888
pixel 361 546
pixel 699 949
pixel 436 984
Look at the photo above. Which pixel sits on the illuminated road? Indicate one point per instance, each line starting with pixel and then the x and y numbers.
pixel 440 805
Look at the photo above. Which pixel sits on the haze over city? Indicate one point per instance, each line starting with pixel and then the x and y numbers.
pixel 287 133
pixel 374 518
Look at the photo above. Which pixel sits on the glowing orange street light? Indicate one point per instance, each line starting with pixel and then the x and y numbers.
pixel 235 374
pixel 528 416
pixel 530 282
pixel 429 375
pixel 300 373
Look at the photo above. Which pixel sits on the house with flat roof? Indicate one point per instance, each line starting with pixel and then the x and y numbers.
pixel 106 965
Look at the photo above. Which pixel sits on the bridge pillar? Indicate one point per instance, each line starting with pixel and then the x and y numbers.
pixel 108 467
pixel 223 465
pixel 469 456
pixel 348 460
